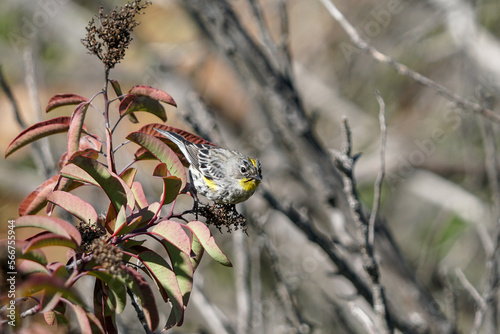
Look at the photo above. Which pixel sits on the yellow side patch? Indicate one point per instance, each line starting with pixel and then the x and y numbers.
pixel 254 163
pixel 249 184
pixel 211 184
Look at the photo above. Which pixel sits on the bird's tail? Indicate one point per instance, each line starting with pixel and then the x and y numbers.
pixel 176 138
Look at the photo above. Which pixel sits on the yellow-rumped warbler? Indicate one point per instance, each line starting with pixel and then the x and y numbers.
pixel 221 175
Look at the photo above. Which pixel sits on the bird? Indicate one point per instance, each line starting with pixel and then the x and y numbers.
pixel 221 175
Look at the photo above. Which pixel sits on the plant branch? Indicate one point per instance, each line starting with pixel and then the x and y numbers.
pixel 109 133
pixel 12 99
pixel 402 69
pixel 138 310
pixel 365 228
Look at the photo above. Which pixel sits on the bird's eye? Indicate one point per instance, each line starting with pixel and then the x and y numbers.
pixel 243 169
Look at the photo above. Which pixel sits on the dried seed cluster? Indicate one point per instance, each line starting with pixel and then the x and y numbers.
pixel 110 38
pixel 90 232
pixel 108 256
pixel 223 215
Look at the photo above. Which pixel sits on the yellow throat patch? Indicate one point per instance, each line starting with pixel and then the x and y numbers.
pixel 249 184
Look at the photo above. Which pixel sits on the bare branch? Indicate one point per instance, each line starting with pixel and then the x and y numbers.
pixel 12 99
pixel 42 153
pixel 243 291
pixel 365 228
pixel 212 316
pixel 359 42
pixel 138 310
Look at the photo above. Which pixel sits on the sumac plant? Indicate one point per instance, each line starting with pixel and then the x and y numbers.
pixel 109 246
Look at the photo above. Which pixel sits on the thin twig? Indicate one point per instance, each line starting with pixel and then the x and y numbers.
pixel 42 153
pixel 12 99
pixel 138 310
pixel 365 236
pixel 284 292
pixel 267 40
pixel 215 321
pixel 243 291
pixel 284 46
pixel 481 303
pixel 359 42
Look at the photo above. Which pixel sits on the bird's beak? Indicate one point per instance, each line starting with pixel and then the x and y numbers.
pixel 257 177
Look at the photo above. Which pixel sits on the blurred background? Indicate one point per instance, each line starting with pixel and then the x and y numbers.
pixel 440 199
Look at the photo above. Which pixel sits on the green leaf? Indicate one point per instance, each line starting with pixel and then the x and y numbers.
pixel 171 184
pixel 73 172
pixel 81 318
pixel 128 176
pixel 165 278
pixel 208 242
pixel 60 100
pixel 28 267
pixel 173 233
pixel 37 131
pixel 162 152
pixel 117 287
pixel 36 256
pixel 183 269
pixel 146 214
pixel 140 197
pixel 132 103
pixel 119 95
pixel 141 289
pixel 117 88
pixel 75 128
pixel 74 205
pixel 116 189
pixel 121 221
pixel 197 250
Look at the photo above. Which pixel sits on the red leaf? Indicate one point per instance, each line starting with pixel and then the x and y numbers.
pixel 153 93
pixel 149 129
pixel 75 127
pixel 37 199
pixel 116 189
pixel 88 146
pixel 81 318
pixel 162 152
pixel 37 131
pixel 133 103
pixel 128 176
pixel 166 281
pixel 171 187
pixel 51 224
pixel 208 242
pixel 161 170
pixel 60 100
pixel 119 95
pixel 173 233
pixel 140 197
pixel 49 239
pixel 74 205
pixel 117 89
